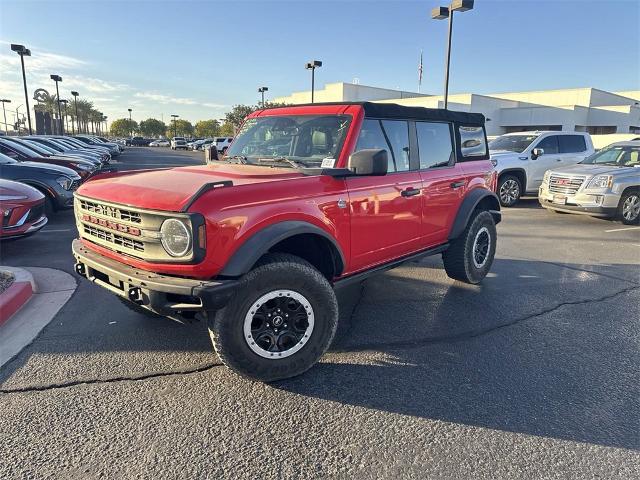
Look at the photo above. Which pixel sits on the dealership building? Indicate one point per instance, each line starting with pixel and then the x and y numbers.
pixel 578 109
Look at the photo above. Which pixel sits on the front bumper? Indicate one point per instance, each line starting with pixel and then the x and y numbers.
pixel 174 297
pixel 596 204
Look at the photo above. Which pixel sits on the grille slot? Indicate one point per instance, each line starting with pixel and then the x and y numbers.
pixel 114 238
pixel 567 185
pixel 119 213
pixel 36 212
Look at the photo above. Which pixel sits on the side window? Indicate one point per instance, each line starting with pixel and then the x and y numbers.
pixel 549 144
pixel 371 136
pixel 571 143
pixel 472 141
pixel 434 144
pixel 398 134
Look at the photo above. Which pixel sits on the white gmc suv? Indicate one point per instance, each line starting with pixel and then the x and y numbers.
pixel 522 158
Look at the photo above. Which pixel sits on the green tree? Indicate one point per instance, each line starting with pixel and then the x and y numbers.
pixel 207 128
pixel 122 127
pixel 239 112
pixel 180 128
pixel 152 127
pixel 227 130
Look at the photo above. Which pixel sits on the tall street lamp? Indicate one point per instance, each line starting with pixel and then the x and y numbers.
pixel 175 128
pixel 440 13
pixel 261 90
pixel 312 65
pixel 106 125
pixel 65 102
pixel 24 52
pixel 75 100
pixel 58 78
pixel 130 125
pixel 6 128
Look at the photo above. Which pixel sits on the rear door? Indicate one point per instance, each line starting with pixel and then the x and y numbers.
pixel 572 148
pixel 386 211
pixel 443 180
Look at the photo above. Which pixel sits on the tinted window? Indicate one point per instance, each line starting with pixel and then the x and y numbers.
pixel 398 134
pixel 549 144
pixel 571 143
pixel 472 141
pixel 434 144
pixel 371 136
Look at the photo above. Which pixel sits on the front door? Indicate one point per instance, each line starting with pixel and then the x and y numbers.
pixel 385 211
pixel 550 159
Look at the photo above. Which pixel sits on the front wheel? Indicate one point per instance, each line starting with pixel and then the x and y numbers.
pixel 629 208
pixel 470 256
pixel 509 190
pixel 279 322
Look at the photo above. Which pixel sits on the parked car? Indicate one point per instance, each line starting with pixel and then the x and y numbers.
pixel 114 148
pixel 160 143
pixel 223 143
pixel 19 151
pixel 522 158
pixel 48 151
pixel 178 143
pixel 138 142
pixel 82 145
pixel 57 183
pixel 205 143
pixel 21 210
pixel 311 198
pixel 66 148
pixel 196 144
pixel 607 184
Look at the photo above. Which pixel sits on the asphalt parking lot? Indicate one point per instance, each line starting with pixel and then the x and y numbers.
pixel 533 374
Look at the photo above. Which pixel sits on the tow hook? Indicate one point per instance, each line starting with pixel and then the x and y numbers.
pixel 80 269
pixel 135 295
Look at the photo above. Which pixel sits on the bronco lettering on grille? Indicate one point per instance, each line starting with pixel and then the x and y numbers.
pixel 112 225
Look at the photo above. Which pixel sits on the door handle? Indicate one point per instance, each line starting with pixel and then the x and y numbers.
pixel 558 159
pixel 457 184
pixel 410 192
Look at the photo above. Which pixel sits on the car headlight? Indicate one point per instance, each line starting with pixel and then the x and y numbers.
pixel 82 166
pixel 176 237
pixel 545 178
pixel 601 181
pixel 64 182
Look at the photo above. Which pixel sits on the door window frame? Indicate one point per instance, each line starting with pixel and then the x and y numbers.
pixel 453 141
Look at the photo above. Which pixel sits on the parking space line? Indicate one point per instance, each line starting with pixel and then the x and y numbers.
pixel 56 231
pixel 622 229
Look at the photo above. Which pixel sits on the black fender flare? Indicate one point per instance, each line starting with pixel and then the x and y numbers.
pixel 259 243
pixel 469 204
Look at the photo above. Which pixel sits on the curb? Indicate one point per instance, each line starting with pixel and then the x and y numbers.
pixel 19 293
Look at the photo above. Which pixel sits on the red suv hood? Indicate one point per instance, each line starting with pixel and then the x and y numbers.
pixel 171 189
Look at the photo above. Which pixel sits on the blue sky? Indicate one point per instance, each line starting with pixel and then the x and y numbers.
pixel 197 58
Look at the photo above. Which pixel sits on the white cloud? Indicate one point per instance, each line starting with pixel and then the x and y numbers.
pixel 167 99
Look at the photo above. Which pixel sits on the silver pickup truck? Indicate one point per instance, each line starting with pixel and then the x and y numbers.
pixel 606 184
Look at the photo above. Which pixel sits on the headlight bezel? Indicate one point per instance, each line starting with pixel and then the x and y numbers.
pixel 64 182
pixel 600 182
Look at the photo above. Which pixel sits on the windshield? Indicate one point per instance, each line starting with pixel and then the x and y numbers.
pixel 512 143
pixel 39 147
pixel 621 156
pixel 29 152
pixel 305 139
pixel 4 160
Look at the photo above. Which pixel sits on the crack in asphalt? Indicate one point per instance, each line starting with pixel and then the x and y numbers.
pixel 469 335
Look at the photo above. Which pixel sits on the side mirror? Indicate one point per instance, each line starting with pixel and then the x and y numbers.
pixel 371 161
pixel 536 152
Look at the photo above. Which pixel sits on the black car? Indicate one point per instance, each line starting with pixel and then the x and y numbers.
pixel 55 182
pixel 138 142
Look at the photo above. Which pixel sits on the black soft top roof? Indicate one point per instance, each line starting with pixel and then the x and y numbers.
pixel 393 110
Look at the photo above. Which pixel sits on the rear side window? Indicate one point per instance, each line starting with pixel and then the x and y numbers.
pixel 571 143
pixel 549 144
pixel 472 141
pixel 435 145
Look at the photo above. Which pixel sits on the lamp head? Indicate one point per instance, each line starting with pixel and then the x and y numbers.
pixel 56 78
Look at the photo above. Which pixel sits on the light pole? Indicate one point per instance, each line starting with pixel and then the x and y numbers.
pixel 65 102
pixel 75 100
pixel 130 125
pixel 6 129
pixel 440 13
pixel 106 125
pixel 312 65
pixel 58 78
pixel 23 51
pixel 175 128
pixel 261 90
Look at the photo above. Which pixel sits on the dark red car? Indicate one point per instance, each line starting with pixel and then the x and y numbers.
pixel 22 153
pixel 21 210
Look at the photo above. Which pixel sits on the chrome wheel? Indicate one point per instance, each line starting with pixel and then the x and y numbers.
pixel 631 208
pixel 278 324
pixel 509 191
pixel 481 247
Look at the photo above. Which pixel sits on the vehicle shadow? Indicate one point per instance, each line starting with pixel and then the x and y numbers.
pixel 535 349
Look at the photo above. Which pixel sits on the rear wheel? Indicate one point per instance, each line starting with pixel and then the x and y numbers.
pixel 470 256
pixel 279 323
pixel 629 208
pixel 509 190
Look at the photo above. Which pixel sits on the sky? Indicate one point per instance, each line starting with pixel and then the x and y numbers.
pixel 198 58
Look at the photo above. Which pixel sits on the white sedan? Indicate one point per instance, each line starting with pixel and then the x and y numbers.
pixel 160 143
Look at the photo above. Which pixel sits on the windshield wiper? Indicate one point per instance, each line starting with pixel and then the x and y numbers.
pixel 241 159
pixel 281 160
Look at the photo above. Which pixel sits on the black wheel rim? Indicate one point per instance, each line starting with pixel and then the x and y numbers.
pixel 481 247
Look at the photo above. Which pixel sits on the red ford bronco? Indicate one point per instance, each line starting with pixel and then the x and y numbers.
pixel 308 198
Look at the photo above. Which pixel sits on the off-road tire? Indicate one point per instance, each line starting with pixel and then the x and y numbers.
pixel 459 257
pixel 512 182
pixel 274 272
pixel 138 309
pixel 634 220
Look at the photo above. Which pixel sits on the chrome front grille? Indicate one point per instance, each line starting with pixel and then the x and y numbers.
pixel 114 238
pixel 109 211
pixel 565 184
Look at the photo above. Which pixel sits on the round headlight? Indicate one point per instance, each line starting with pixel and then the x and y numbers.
pixel 176 238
